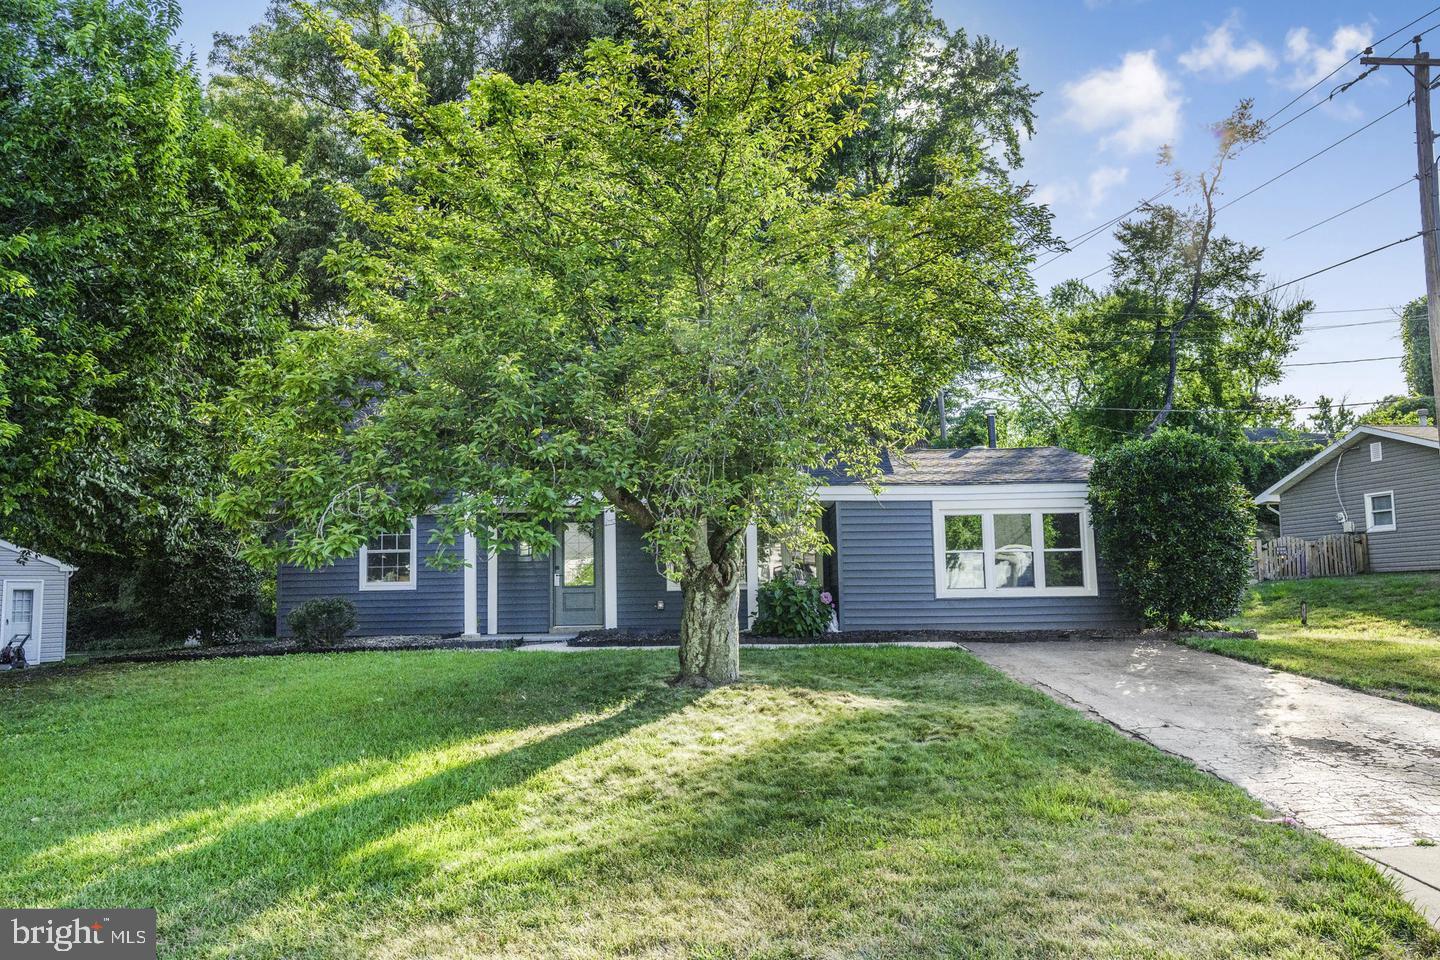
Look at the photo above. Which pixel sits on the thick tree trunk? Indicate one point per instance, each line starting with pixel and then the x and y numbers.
pixel 710 621
pixel 710 633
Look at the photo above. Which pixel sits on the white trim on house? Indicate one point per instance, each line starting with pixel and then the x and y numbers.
pixel 752 574
pixel 1370 526
pixel 36 646
pixel 410 584
pixel 608 571
pixel 940 509
pixel 472 600
pixel 492 589
pixel 1272 494
pixel 33 555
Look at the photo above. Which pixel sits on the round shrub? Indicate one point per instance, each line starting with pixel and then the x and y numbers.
pixel 322 622
pixel 790 608
pixel 1174 522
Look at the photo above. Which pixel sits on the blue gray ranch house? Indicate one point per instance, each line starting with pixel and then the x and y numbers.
pixel 968 539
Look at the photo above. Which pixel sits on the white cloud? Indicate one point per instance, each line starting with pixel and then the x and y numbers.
pixel 1137 103
pixel 1104 180
pixel 1087 198
pixel 1313 61
pixel 1218 54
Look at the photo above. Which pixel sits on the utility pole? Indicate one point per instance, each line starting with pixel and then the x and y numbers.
pixel 1419 67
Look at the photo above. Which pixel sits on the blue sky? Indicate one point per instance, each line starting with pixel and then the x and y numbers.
pixel 1121 77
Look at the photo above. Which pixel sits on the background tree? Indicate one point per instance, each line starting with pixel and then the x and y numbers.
pixel 931 93
pixel 625 283
pixel 1103 370
pixel 1174 523
pixel 1415 335
pixel 131 223
pixel 1332 418
pixel 287 86
pixel 1172 258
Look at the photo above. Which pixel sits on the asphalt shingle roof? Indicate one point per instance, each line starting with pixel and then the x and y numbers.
pixel 972 465
pixel 1410 430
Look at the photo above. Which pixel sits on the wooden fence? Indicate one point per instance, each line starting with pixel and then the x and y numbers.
pixel 1294 558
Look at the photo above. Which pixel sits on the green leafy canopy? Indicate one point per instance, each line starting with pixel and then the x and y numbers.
pixel 625 284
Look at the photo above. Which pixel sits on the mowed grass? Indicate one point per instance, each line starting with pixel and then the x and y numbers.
pixel 1379 633
pixel 838 803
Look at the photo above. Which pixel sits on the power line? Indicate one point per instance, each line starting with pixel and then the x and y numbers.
pixel 1278 401
pixel 1090 234
pixel 1303 93
pixel 1403 183
pixel 1313 156
pixel 1331 363
pixel 1080 239
pixel 1360 256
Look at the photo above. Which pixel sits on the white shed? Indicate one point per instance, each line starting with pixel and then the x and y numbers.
pixel 34 601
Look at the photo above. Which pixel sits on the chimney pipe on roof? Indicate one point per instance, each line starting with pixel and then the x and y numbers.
pixel 1424 417
pixel 990 425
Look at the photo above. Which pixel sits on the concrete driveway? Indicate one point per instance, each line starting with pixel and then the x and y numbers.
pixel 1361 770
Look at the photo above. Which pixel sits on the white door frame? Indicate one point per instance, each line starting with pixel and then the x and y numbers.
pixel 37 613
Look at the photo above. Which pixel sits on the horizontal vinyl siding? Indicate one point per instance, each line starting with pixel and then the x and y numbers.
pixel 639 585
pixel 887 581
pixel 53 605
pixel 1413 472
pixel 523 588
pixel 436 607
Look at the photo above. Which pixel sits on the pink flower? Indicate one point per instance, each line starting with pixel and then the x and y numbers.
pixel 827 599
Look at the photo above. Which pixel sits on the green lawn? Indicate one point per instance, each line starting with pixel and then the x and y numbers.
pixel 1378 633
pixel 839 803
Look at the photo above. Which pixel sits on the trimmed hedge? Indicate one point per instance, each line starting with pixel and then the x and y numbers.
pixel 1174 522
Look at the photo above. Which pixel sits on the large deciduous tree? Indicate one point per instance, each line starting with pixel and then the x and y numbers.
pixel 623 287
pixel 129 291
pixel 1415 336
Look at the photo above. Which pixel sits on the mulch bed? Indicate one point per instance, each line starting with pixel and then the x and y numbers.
pixel 280 648
pixel 671 638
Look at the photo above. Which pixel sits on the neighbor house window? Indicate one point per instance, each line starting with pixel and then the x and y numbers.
pixel 388 561
pixel 1379 512
pixel 1012 552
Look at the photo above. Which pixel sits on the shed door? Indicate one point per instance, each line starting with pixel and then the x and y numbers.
pixel 22 618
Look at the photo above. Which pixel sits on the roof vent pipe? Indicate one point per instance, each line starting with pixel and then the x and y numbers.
pixel 990 426
pixel 1424 417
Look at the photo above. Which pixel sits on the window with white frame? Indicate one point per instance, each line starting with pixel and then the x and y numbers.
pixel 1379 512
pixel 1013 552
pixel 388 561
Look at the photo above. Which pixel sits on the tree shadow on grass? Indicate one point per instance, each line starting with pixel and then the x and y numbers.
pixel 896 803
pixel 919 808
pixel 243 852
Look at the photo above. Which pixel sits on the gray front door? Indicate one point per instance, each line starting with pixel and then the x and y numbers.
pixel 576 574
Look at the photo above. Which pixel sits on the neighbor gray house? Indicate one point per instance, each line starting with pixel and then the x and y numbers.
pixel 34 600
pixel 1383 481
pixel 968 539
